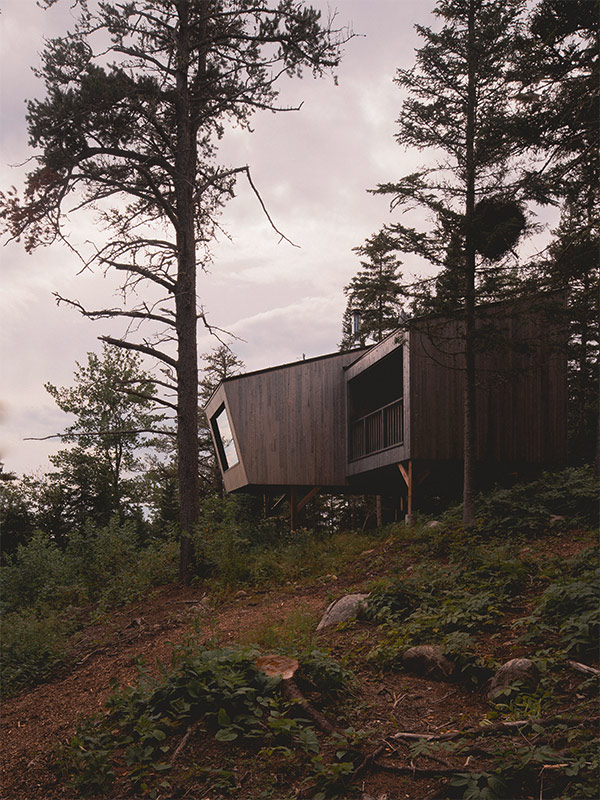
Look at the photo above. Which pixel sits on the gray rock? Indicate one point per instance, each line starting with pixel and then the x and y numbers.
pixel 522 670
pixel 341 610
pixel 434 523
pixel 427 660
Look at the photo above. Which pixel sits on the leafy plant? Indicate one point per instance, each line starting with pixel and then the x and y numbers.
pixel 323 672
pixel 569 609
pixel 33 645
pixel 222 688
pixel 528 508
pixel 480 786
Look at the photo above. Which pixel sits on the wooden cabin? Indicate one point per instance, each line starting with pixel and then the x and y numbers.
pixel 388 418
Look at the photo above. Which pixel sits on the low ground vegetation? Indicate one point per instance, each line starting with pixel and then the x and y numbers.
pixel 209 723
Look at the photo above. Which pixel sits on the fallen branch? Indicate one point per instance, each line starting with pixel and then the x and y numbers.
pixel 369 760
pixel 420 772
pixel 183 741
pixel 89 655
pixel 293 693
pixel 583 668
pixel 198 602
pixel 499 727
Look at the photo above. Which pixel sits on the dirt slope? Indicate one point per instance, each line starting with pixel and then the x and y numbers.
pixel 37 720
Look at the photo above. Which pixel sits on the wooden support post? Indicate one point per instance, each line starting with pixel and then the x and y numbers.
pixel 293 509
pixel 407 474
pixel 277 503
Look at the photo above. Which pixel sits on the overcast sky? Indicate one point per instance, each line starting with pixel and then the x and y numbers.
pixel 313 169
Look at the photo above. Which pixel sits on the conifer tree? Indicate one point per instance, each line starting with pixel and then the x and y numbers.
pixel 375 294
pixel 460 108
pixel 559 72
pixel 137 99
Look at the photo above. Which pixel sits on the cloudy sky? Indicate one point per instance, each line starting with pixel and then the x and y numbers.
pixel 313 169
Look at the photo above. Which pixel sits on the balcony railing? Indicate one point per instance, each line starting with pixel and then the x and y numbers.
pixel 377 431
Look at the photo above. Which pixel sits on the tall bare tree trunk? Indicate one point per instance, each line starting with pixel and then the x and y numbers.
pixel 185 305
pixel 469 446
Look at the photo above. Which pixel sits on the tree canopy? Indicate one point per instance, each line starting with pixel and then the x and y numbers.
pixel 374 293
pixel 136 100
pixel 112 400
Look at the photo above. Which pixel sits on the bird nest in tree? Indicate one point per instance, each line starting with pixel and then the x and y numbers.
pixel 497 226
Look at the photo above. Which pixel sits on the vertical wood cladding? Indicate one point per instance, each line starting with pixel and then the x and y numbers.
pixel 521 388
pixel 290 422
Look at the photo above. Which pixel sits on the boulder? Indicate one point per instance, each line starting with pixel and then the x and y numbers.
pixel 521 670
pixel 341 610
pixel 429 661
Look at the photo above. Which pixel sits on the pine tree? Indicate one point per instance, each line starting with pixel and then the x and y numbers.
pixel 460 108
pixel 375 294
pixel 137 98
pixel 559 71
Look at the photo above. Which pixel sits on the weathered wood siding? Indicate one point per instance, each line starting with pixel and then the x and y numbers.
pixel 521 389
pixel 289 423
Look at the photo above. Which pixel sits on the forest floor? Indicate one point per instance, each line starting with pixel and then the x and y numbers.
pixel 381 702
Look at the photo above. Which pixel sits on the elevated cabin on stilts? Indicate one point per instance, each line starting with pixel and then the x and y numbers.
pixel 388 419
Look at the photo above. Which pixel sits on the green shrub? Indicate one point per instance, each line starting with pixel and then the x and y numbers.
pixel 41 584
pixel 106 565
pixel 391 599
pixel 258 552
pixel 528 508
pixel 221 688
pixel 323 672
pixel 569 609
pixel 33 645
pixel 33 572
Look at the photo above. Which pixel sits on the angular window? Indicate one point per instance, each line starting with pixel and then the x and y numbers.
pixel 224 438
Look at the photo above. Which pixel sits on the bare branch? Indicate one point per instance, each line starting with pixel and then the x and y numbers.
pixel 101 433
pixel 166 283
pixel 142 396
pixel 112 312
pixel 264 208
pixel 141 348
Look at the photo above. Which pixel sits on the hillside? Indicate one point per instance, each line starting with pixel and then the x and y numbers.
pixel 199 720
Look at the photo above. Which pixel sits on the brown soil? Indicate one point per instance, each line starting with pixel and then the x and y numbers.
pixel 38 720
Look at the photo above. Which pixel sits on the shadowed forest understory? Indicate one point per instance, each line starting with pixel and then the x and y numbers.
pixel 120 683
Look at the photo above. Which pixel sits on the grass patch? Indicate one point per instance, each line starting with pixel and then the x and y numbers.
pixel 293 634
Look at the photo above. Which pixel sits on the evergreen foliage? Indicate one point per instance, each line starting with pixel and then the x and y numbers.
pixel 375 294
pixel 137 99
pixel 459 107
pixel 558 66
